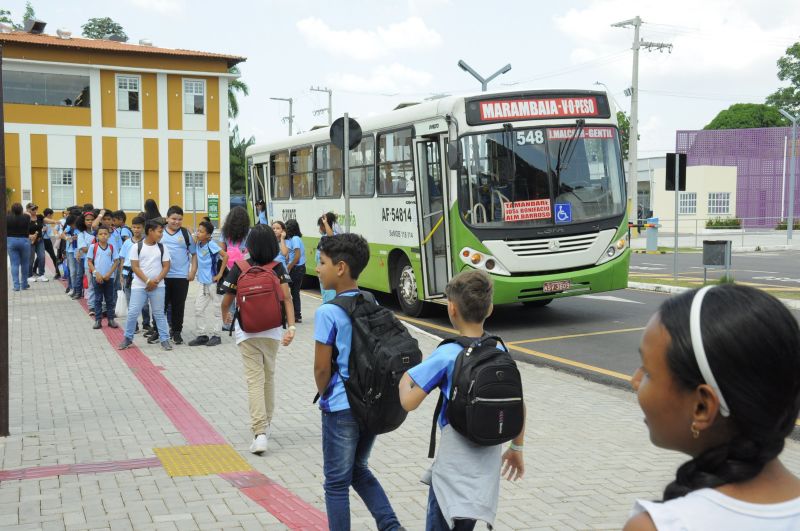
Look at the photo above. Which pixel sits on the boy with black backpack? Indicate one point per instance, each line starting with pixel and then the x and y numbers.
pixel 480 407
pixel 346 439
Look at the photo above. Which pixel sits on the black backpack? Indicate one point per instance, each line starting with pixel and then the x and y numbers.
pixel 485 403
pixel 381 351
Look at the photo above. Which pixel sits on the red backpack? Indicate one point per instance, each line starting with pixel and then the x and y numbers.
pixel 259 297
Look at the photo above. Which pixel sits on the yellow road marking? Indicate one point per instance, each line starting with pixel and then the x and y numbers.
pixel 553 338
pixel 523 350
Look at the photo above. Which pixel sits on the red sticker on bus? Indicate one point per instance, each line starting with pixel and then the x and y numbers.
pixel 527 210
pixel 522 109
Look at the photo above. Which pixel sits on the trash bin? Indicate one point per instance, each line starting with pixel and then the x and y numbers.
pixel 717 254
pixel 652 234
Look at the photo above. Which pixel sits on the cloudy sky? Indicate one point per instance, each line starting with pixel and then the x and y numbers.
pixel 377 54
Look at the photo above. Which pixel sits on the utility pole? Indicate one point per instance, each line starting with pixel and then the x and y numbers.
pixel 4 391
pixel 792 182
pixel 633 141
pixel 484 82
pixel 289 118
pixel 330 103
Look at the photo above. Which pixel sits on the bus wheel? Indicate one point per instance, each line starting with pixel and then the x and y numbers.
pixel 406 285
pixel 537 303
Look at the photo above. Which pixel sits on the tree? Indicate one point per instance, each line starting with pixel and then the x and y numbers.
pixel 788 98
pixel 98 28
pixel 624 124
pixel 234 86
pixel 746 116
pixel 238 160
pixel 5 16
pixel 29 14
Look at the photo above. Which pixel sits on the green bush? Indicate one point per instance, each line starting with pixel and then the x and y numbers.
pixel 727 223
pixel 783 225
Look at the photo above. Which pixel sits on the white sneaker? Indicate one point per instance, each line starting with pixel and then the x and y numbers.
pixel 32 279
pixel 44 279
pixel 259 444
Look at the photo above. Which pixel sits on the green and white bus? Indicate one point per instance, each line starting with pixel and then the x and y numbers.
pixel 527 186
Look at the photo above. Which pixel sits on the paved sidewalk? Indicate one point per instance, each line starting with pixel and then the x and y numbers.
pixel 86 420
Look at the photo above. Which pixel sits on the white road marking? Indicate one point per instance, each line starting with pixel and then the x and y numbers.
pixel 778 279
pixel 609 298
pixel 644 268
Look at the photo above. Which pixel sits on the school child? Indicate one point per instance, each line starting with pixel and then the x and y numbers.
pixel 137 235
pixel 209 271
pixel 103 262
pixel 345 446
pixel 465 477
pixel 68 243
pixel 279 228
pixel 296 263
pixel 327 227
pixel 85 238
pixel 720 382
pixel 150 263
pixel 120 217
pixel 234 232
pixel 259 347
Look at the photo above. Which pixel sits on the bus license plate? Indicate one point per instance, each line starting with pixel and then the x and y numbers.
pixel 556 285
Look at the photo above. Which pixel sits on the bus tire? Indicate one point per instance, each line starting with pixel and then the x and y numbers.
pixel 540 303
pixel 407 291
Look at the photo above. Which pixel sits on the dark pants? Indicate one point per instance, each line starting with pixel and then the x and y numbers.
pixel 104 291
pixel 37 259
pixel 296 274
pixel 175 298
pixel 435 520
pixel 48 247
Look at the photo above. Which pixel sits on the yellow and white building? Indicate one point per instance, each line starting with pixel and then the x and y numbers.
pixel 114 124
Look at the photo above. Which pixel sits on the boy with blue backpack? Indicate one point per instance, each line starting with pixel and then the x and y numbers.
pixel 480 407
pixel 210 268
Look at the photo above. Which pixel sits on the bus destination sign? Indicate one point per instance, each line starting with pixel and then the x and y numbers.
pixel 521 107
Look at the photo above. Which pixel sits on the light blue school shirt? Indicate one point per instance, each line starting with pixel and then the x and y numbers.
pixel 332 326
pixel 437 371
pixel 206 254
pixel 69 231
pixel 85 239
pixel 115 239
pixel 280 259
pixel 179 255
pixel 104 258
pixel 125 233
pixel 125 255
pixel 295 245
pixel 262 218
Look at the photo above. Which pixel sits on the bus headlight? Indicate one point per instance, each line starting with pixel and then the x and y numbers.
pixel 615 249
pixel 483 261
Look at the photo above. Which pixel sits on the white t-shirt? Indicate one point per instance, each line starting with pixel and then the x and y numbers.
pixel 149 262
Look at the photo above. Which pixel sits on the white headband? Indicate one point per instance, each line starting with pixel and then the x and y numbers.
pixel 700 352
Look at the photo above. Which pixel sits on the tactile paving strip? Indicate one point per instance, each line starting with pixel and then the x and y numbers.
pixel 201 460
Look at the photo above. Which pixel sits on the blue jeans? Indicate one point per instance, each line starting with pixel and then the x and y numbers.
pixel 19 252
pixel 37 259
pixel 103 291
pixel 145 309
pixel 345 451
pixel 75 273
pixel 435 520
pixel 140 297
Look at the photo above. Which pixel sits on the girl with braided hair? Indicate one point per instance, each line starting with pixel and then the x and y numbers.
pixel 720 381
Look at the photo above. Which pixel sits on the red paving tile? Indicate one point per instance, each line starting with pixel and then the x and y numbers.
pixel 39 472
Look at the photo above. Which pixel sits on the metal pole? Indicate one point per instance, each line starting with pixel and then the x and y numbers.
pixel 289 118
pixel 484 82
pixel 330 107
pixel 677 191
pixel 633 140
pixel 4 391
pixel 792 165
pixel 346 165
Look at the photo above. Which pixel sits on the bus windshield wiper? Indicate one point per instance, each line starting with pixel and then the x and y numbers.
pixel 566 150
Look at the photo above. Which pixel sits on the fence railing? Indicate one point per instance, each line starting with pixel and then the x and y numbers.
pixel 743 232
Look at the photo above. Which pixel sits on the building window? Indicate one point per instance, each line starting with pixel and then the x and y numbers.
pixel 329 171
pixel 719 203
pixel 194 96
pixel 62 188
pixel 279 183
pixel 128 93
pixel 395 166
pixel 362 168
pixel 194 191
pixel 130 190
pixel 687 203
pixel 32 88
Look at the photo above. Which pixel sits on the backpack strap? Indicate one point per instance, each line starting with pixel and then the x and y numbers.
pixel 139 245
pixel 186 237
pixel 436 412
pixel 94 251
pixel 244 266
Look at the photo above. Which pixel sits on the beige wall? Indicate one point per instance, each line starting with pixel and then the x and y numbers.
pixel 701 180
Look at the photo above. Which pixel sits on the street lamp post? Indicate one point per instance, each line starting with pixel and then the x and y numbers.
pixel 790 221
pixel 484 82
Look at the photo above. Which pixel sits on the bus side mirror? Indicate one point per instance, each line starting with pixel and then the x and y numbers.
pixel 454 156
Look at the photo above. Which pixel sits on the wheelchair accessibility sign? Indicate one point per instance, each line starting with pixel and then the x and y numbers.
pixel 563 213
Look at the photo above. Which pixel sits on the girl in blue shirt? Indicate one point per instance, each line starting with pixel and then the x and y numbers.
pixel 296 264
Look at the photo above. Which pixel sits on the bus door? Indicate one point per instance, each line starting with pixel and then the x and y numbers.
pixel 432 213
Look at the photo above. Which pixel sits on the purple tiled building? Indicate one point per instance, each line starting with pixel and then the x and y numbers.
pixel 761 156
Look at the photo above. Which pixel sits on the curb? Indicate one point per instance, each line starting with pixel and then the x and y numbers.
pixel 748 249
pixel 792 304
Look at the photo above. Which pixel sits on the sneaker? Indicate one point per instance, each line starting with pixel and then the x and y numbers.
pixel 176 338
pixel 26 287
pixel 199 340
pixel 214 341
pixel 32 279
pixel 259 444
pixel 91 313
pixel 166 345
pixel 74 296
pixel 298 320
pixel 125 344
pixel 98 325
pixel 67 291
pixel 57 277
pixel 44 279
pixel 112 323
pixel 148 327
pixel 150 333
pixel 136 331
pixel 152 340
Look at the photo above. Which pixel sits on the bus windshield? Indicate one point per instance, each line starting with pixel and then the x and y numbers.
pixel 540 176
